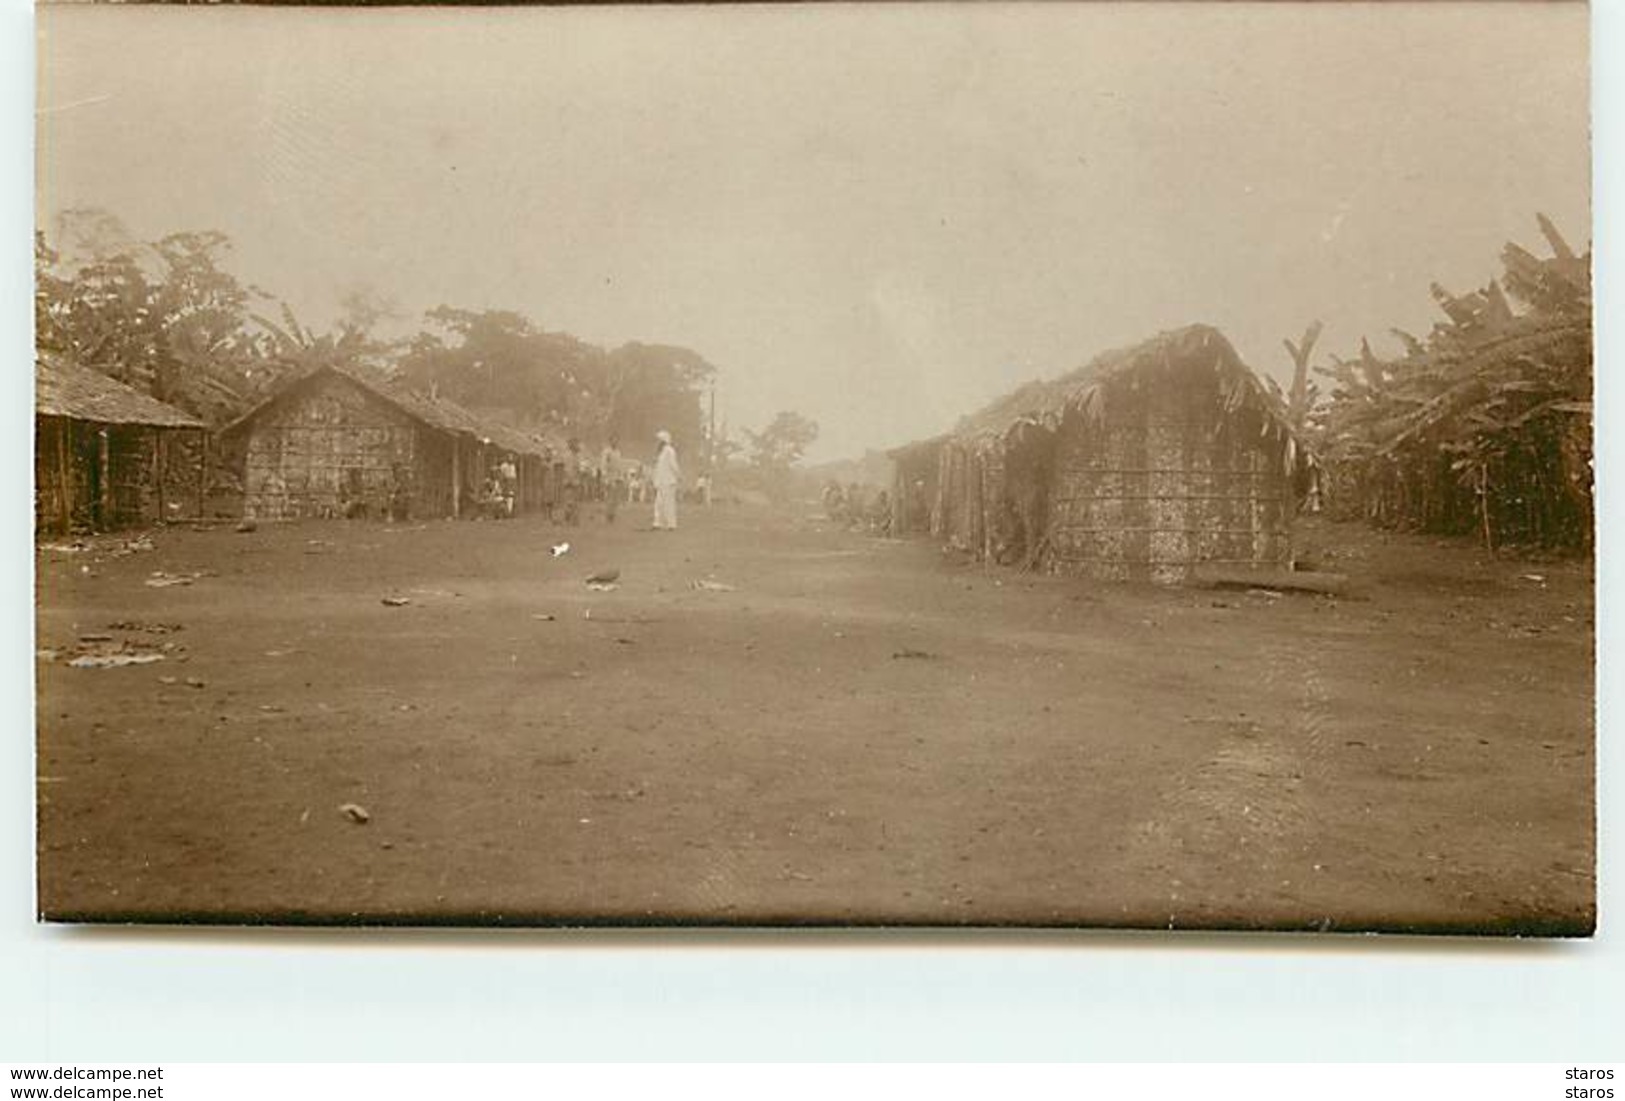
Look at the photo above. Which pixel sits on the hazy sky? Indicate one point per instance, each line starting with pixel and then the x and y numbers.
pixel 879 217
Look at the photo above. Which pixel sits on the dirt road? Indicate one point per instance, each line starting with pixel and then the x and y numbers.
pixel 839 729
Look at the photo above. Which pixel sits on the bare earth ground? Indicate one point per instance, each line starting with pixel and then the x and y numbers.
pixel 859 730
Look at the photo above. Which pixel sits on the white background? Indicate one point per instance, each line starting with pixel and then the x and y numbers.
pixel 190 995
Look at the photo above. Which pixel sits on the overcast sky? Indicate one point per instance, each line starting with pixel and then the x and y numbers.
pixel 881 218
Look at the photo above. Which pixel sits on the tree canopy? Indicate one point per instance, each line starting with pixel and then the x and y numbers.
pixel 1486 423
pixel 780 445
pixel 168 318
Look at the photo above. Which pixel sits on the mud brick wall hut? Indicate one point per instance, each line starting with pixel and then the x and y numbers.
pixel 1143 465
pixel 347 442
pixel 106 455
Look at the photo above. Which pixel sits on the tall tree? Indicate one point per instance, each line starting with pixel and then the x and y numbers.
pixel 501 361
pixel 1299 397
pixel 164 317
pixel 645 388
pixel 779 446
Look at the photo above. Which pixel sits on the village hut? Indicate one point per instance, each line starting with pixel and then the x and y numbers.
pixel 347 441
pixel 105 454
pixel 914 486
pixel 1145 464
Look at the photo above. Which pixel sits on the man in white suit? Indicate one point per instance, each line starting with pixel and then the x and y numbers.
pixel 668 474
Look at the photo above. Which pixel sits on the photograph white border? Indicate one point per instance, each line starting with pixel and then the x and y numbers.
pixel 351 995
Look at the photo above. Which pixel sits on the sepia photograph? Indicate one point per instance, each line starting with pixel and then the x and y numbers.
pixel 1079 465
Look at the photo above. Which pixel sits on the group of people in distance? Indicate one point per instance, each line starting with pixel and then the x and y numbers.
pixel 611 479
pixel 855 507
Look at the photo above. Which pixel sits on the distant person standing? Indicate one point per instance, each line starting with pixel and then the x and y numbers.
pixel 612 469
pixel 702 489
pixel 575 483
pixel 508 484
pixel 668 475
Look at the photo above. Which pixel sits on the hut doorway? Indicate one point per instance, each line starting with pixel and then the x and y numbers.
pixel 1029 462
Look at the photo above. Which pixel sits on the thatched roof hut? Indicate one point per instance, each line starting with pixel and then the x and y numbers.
pixel 99 448
pixel 1142 464
pixel 343 440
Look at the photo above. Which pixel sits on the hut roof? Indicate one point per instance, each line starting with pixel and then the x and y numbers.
pixel 436 412
pixel 1046 402
pixel 62 388
pixel 917 449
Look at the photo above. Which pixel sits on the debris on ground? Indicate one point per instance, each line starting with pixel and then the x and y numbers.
pixel 604 577
pixel 635 791
pixel 434 592
pixel 113 661
pixel 76 547
pixel 101 651
pixel 602 586
pixel 246 527
pixel 560 549
pixel 356 813
pixel 395 601
pixel 1275 581
pixel 147 628
pixel 545 617
pixel 1536 577
pixel 908 652
pixel 139 545
pixel 705 584
pixel 158 579
pixel 196 682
